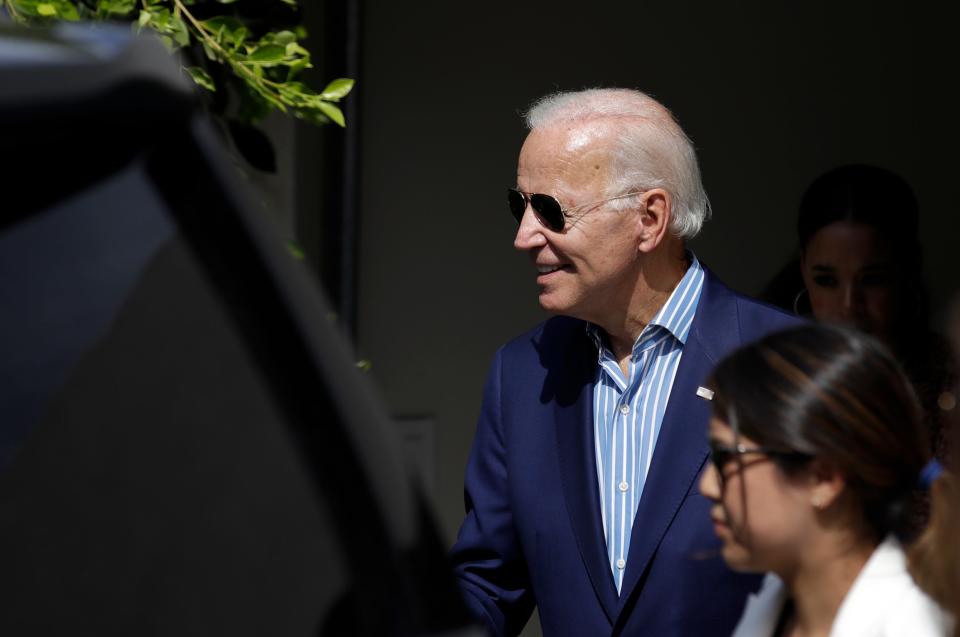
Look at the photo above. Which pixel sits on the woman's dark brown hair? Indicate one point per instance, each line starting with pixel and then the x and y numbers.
pixel 836 395
pixel 934 559
pixel 870 195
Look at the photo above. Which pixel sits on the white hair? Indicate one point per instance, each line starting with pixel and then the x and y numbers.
pixel 650 149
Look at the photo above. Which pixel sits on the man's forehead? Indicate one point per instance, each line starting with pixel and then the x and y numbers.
pixel 565 157
pixel 576 136
pixel 584 138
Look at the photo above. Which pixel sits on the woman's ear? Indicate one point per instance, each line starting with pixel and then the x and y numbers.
pixel 827 484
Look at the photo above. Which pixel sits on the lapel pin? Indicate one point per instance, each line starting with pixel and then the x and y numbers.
pixel 704 393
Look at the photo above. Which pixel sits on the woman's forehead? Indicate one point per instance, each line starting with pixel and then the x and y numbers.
pixel 719 428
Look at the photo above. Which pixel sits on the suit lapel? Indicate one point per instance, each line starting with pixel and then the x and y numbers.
pixel 682 443
pixel 578 472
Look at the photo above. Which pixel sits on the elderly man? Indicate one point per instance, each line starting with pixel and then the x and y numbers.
pixel 581 489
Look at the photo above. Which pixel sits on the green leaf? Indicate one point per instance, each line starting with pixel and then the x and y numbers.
pixel 364 365
pixel 337 89
pixel 265 69
pixel 228 31
pixel 117 8
pixel 160 19
pixel 294 68
pixel 230 23
pixel 314 117
pixel 202 78
pixel 179 31
pixel 268 54
pixel 295 251
pixel 284 37
pixel 333 113
pixel 294 49
pixel 208 50
pixel 63 9
pixel 296 88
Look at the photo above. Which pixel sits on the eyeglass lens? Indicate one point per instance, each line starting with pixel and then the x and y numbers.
pixel 720 457
pixel 545 207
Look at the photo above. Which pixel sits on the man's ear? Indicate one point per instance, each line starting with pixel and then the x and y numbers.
pixel 655 217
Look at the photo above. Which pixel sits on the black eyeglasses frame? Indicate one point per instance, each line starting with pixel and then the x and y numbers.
pixel 721 455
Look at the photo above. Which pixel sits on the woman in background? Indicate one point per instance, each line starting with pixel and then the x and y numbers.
pixel 817 450
pixel 861 265
pixel 860 256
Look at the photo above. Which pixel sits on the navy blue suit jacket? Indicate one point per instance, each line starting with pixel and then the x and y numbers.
pixel 532 534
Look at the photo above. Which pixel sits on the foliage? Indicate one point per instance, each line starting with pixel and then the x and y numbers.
pixel 233 50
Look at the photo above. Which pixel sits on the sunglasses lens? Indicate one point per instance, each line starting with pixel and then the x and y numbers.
pixel 549 211
pixel 546 208
pixel 518 203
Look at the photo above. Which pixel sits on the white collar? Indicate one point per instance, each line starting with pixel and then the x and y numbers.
pixel 882 593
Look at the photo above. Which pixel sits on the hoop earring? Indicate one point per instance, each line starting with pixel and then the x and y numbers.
pixel 796 300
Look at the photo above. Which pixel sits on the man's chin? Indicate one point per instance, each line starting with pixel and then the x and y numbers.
pixel 549 303
pixel 557 307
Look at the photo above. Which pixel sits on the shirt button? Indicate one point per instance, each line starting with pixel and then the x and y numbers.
pixel 624 409
pixel 621 563
pixel 623 486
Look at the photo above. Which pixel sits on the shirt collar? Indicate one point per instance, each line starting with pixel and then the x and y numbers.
pixel 675 316
pixel 676 313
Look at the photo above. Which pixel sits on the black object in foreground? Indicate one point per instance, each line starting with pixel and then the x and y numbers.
pixel 187 448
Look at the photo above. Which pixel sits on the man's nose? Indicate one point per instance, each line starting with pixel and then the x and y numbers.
pixel 530 232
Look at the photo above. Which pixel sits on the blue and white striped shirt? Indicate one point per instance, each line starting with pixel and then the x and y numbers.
pixel 627 412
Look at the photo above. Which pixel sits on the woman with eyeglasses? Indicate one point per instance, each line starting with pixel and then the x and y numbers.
pixel 817 453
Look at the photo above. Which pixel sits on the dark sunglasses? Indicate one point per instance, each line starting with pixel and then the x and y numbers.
pixel 548 209
pixel 721 455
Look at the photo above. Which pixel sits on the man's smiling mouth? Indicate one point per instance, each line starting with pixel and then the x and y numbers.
pixel 547 269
